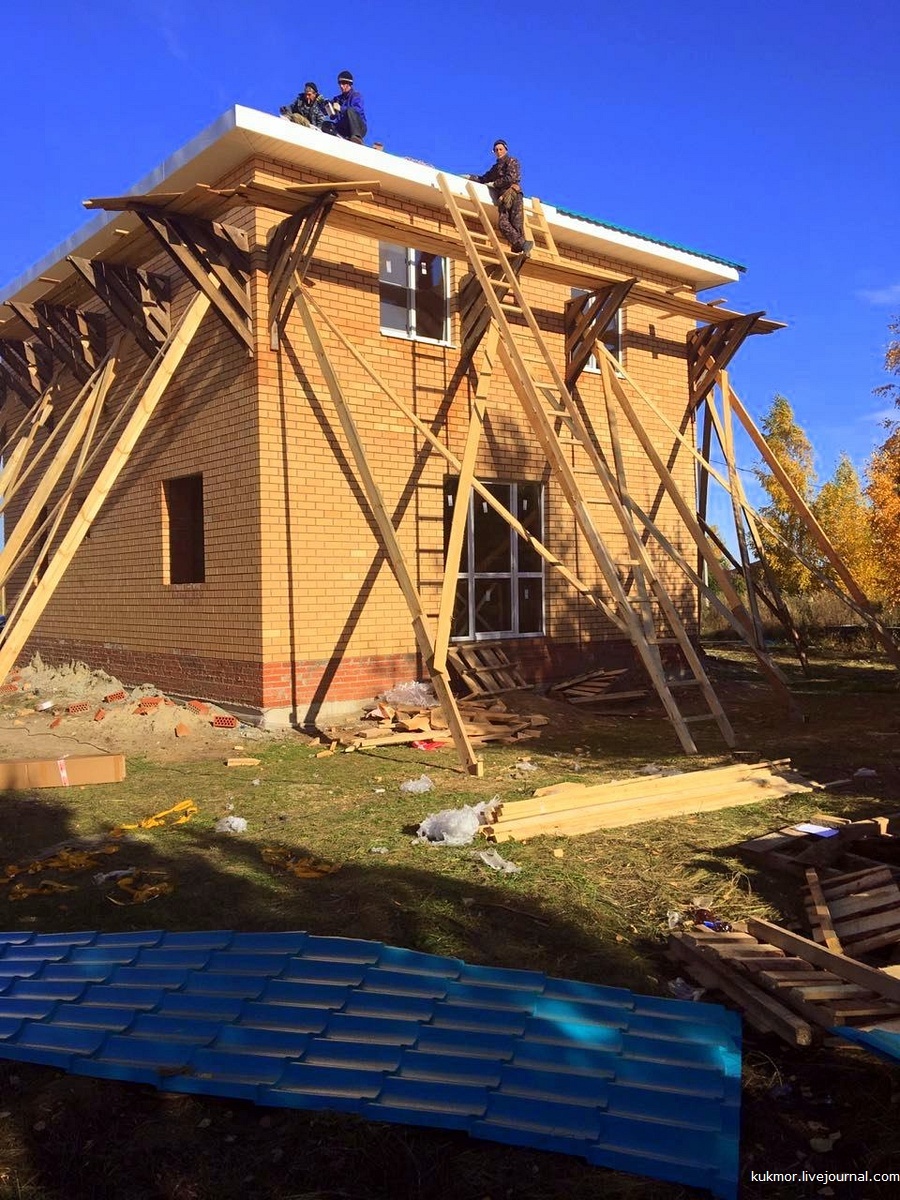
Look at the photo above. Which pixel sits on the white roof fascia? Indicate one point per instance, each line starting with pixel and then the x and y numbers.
pixel 244 132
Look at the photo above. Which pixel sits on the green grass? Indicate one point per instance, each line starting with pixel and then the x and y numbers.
pixel 597 913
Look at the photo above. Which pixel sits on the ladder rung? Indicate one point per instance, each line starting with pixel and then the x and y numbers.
pixel 702 717
pixel 680 683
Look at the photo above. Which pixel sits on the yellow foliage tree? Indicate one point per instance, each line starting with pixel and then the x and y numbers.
pixel 792 448
pixel 884 492
pixel 844 512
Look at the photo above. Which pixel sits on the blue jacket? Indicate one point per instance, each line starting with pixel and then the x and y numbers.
pixel 353 100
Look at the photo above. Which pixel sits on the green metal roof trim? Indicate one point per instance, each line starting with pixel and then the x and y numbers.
pixel 725 262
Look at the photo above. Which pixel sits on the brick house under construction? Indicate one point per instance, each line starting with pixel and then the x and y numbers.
pixel 258 381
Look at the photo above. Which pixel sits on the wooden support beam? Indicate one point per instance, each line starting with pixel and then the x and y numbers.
pixel 15 634
pixel 88 402
pixel 459 521
pixel 391 542
pixel 215 257
pixel 18 446
pixel 587 592
pixel 712 347
pixel 818 534
pixel 140 301
pixel 28 369
pixel 587 318
pixel 290 252
pixel 75 338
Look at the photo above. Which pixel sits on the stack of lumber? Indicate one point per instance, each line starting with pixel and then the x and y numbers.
pixel 786 984
pixel 595 686
pixel 854 913
pixel 573 808
pixel 395 725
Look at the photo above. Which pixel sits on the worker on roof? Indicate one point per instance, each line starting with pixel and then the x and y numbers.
pixel 349 117
pixel 308 109
pixel 504 179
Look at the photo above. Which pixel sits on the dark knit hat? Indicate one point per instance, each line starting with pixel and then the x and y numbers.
pixel 311 85
pixel 345 77
pixel 500 142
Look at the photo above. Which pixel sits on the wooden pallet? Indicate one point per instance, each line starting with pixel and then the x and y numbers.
pixel 486 670
pixel 784 983
pixel 854 913
pixel 830 844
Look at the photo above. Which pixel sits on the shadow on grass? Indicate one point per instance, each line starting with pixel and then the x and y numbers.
pixel 69 1138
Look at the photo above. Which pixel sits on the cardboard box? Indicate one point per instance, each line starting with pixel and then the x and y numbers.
pixel 22 773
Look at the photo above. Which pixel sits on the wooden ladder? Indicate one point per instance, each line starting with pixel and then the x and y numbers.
pixel 557 424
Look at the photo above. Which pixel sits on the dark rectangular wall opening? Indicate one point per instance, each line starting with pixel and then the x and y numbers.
pixel 184 506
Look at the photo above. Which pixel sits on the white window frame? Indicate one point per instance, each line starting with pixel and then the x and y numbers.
pixel 514 575
pixel 411 334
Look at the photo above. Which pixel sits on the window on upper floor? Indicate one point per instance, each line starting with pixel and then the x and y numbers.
pixel 413 290
pixel 611 336
pixel 184 517
pixel 500 585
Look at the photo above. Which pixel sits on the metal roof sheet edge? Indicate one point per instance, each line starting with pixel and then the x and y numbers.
pixel 646 237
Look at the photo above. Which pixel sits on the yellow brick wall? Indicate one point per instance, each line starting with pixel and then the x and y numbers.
pixel 299 602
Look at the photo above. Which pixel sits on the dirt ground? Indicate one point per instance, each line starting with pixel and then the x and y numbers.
pixel 35 721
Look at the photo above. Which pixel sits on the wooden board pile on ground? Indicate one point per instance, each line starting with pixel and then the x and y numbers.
pixel 848 972
pixel 572 808
pixel 398 724
pixel 595 687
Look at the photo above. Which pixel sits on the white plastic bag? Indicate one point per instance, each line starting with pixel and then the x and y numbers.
pixel 456 826
pixel 423 784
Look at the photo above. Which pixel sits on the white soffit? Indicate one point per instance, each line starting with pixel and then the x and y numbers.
pixel 242 133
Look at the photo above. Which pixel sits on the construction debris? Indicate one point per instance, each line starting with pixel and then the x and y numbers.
pixel 596 686
pixel 74 770
pixel 854 913
pixel 833 845
pixel 403 724
pixel 565 809
pixel 787 984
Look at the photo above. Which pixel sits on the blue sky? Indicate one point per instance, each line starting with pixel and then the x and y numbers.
pixel 762 133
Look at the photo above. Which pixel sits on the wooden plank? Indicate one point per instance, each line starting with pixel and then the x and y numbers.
pixel 650 786
pixel 394 551
pixel 846 968
pixel 888 643
pixel 756 1004
pixel 587 592
pixel 619 813
pixel 17 633
pixel 820 916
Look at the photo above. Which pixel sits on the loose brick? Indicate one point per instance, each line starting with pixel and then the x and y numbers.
pixel 56 721
pixel 182 730
pixel 198 706
pixel 113 697
pixel 99 714
pixel 80 706
pixel 225 721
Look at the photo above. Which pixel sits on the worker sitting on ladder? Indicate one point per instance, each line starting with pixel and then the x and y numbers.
pixel 504 179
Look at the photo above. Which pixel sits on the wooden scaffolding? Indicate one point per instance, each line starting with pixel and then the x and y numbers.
pixel 93 437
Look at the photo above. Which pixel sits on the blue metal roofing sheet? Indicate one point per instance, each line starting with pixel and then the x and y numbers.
pixel 635 1083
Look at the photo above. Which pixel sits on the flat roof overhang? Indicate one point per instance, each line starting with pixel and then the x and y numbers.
pixel 242 133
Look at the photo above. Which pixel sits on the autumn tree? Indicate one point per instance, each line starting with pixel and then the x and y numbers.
pixel 792 448
pixel 883 485
pixel 845 514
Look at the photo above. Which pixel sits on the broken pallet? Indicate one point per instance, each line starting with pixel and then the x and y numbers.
pixel 784 983
pixel 854 913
